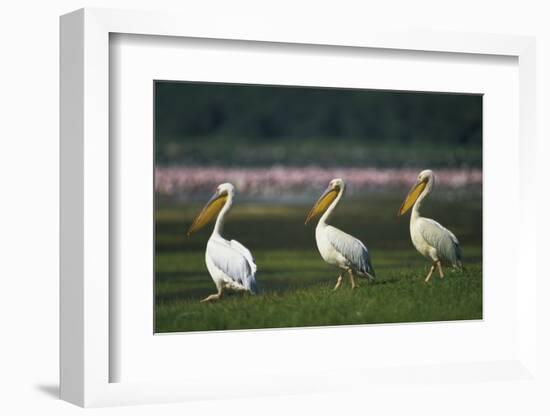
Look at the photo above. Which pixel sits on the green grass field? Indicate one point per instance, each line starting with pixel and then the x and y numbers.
pixel 296 285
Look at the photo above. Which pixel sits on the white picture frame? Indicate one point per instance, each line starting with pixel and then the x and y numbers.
pixel 85 353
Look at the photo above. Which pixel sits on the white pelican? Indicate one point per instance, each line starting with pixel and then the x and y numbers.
pixel 230 264
pixel 336 247
pixel 430 238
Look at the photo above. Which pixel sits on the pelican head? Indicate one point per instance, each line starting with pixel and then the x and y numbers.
pixel 425 179
pixel 212 207
pixel 335 187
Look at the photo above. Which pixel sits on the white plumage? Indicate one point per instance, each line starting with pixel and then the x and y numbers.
pixel 229 263
pixel 335 246
pixel 431 239
pixel 439 243
pixel 343 250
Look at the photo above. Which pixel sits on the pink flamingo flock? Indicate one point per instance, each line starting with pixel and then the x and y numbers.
pixel 273 181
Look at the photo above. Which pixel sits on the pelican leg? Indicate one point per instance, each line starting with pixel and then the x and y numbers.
pixel 214 297
pixel 429 276
pixel 440 269
pixel 339 282
pixel 352 279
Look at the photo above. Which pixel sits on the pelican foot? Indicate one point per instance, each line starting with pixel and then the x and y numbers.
pixel 352 279
pixel 339 283
pixel 440 269
pixel 211 298
pixel 429 276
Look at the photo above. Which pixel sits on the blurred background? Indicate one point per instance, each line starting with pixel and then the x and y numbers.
pixel 271 138
pixel 280 146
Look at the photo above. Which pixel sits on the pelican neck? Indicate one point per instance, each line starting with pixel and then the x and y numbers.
pixel 220 220
pixel 327 214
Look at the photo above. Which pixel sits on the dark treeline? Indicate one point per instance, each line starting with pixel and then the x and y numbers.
pixel 272 115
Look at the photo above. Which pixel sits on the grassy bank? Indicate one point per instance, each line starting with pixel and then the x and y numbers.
pixel 296 285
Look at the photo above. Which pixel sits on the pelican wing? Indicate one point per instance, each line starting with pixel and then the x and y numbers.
pixel 235 261
pixel 443 240
pixel 246 253
pixel 352 249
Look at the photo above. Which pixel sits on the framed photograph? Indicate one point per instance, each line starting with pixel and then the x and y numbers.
pixel 273 212
pixel 337 159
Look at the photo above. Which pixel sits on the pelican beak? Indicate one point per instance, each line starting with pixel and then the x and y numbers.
pixel 208 213
pixel 323 203
pixel 412 196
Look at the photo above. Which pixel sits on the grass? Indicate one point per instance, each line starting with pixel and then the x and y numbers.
pixel 296 285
